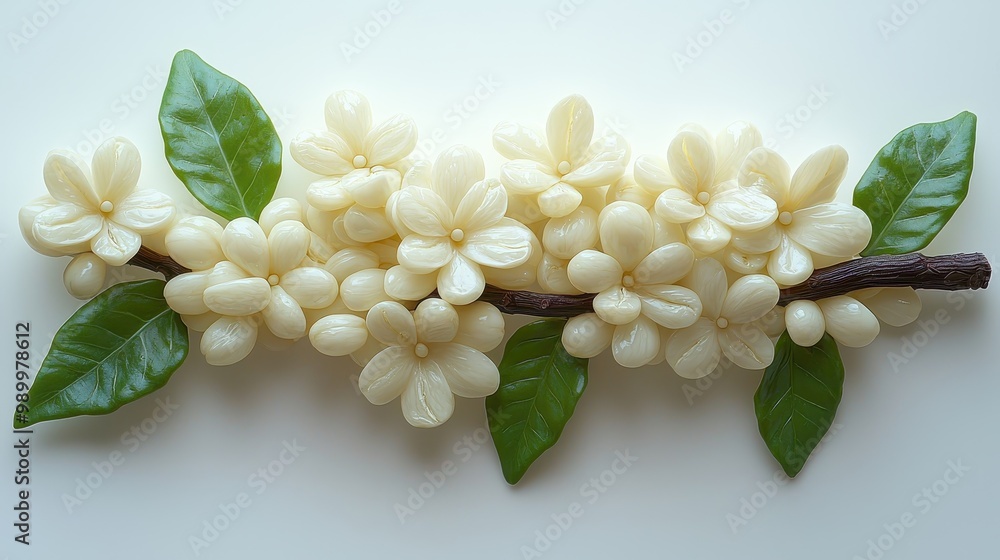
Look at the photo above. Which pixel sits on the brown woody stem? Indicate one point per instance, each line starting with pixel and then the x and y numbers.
pixel 964 271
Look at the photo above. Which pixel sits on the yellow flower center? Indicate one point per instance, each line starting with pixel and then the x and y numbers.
pixel 273 279
pixel 722 323
pixel 785 218
pixel 628 281
pixel 564 167
pixel 457 235
pixel 703 197
pixel 107 206
pixel 360 161
pixel 421 350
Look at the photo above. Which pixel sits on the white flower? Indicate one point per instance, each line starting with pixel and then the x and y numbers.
pixel 430 357
pixel 101 208
pixel 852 320
pixel 896 307
pixel 809 223
pixel 634 283
pixel 361 164
pixel 457 224
pixel 85 275
pixel 554 172
pixel 265 278
pixel 697 187
pixel 729 322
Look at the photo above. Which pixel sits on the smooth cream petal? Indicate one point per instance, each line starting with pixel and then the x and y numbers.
pixel 732 146
pixel 765 170
pixel 757 242
pixel 500 246
pixel 392 324
pixel 626 232
pixel 424 212
pixel 280 210
pixel 569 129
pixel 423 255
pixel 85 275
pixel 637 343
pixel 833 229
pixel 553 276
pixel 896 307
pixel 362 290
pixel 239 298
pixel 708 235
pixel 524 208
pixel 386 376
pixel 367 225
pixel 849 322
pixel 324 153
pixel 586 336
pixel 653 174
pixel 68 179
pixel 743 209
pixel 185 294
pixel 350 116
pixel 339 335
pixel 66 225
pixel 483 206
pixel 311 287
pixel 617 306
pixel 673 307
pixel 461 281
pixel 747 346
pixel 436 321
pixel 773 323
pixel 427 401
pixel 626 190
pixel 694 352
pixel 817 179
pixel 565 237
pixel 665 265
pixel 750 298
pixel 390 141
pixel 284 317
pixel 353 259
pixel 804 322
pixel 115 244
pixel 523 176
pixel 592 272
pixel 692 162
pixel 603 164
pixel 480 326
pixel 745 263
pixel 200 323
pixel 678 206
pixel 665 233
pixel 288 243
pixel 514 141
pixel 26 221
pixel 708 279
pixel 244 243
pixel 374 190
pixel 115 166
pixel 225 271
pixel 229 340
pixel 790 264
pixel 559 200
pixel 329 195
pixel 195 243
pixel 454 171
pixel 469 372
pixel 404 285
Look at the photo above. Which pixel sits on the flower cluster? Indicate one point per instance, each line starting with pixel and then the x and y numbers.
pixel 386 256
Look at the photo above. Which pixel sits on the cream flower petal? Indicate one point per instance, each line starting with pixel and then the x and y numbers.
pixel 849 321
pixel 350 116
pixel 288 243
pixel 768 172
pixel 115 244
pixel 390 141
pixel 348 261
pixel 524 176
pixel 603 164
pixel 524 208
pixel 757 242
pixel 565 237
pixel 692 162
pixel 436 321
pixel 790 264
pixel 625 189
pixel 461 281
pixel 454 171
pixel 280 210
pixel 367 225
pixel 773 324
pixel 673 307
pixel 743 209
pixel 745 263
pixel 617 306
pixel 483 206
pixel 363 290
pixel 284 317
pixel 732 146
pixel 553 276
pixel 323 153
pixel 185 293
pixel 834 229
pixel 26 222
pixel 592 272
pixel 225 271
pixel 311 287
pixel 514 141
pixel 816 180
pixel 708 280
pixel 115 168
pixel 427 401
pixel 501 246
pixel 520 277
pixel 239 298
pixel 896 307
pixel 392 324
pixel 68 180
pixel 747 346
pixel 423 255
pixel 387 375
pixel 404 285
pixel 229 340
pixel 244 243
pixel 626 231
pixel 665 265
pixel 569 129
pixel 424 212
pixel 694 352
pixel 480 326
pixel 708 235
pixel 339 335
pixel 328 195
pixel 805 322
pixel 374 190
pixel 559 200
pixel 750 298
pixel 586 336
pixel 678 206
pixel 469 372
pixel 637 343
pixel 66 225
pixel 145 212
pixel 653 174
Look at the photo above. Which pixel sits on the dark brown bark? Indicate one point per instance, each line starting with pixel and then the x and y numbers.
pixel 163 264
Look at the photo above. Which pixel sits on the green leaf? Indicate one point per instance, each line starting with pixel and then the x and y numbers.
pixel 219 141
pixel 916 183
pixel 120 346
pixel 540 385
pixel 798 398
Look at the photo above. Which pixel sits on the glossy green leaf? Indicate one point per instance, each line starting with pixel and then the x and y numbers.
pixel 540 385
pixel 916 183
pixel 798 398
pixel 219 141
pixel 120 346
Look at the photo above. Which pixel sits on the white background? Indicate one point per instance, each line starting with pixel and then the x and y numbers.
pixel 699 454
